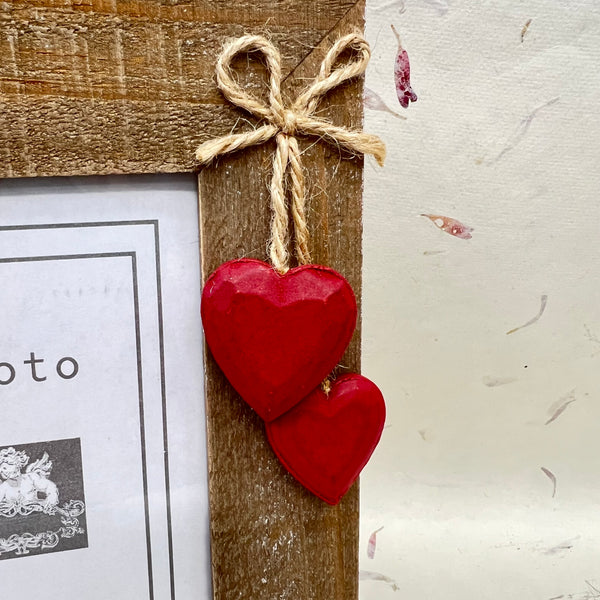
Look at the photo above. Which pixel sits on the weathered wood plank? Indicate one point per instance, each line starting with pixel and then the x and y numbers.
pixel 110 137
pixel 131 74
pixel 270 537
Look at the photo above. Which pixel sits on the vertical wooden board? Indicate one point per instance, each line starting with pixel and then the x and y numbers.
pixel 270 537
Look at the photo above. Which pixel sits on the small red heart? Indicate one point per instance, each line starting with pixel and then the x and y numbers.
pixel 326 440
pixel 276 337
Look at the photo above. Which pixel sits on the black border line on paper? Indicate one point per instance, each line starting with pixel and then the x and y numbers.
pixel 132 256
pixel 155 225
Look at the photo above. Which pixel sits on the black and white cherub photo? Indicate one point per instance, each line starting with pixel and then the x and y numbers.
pixel 42 506
pixel 24 493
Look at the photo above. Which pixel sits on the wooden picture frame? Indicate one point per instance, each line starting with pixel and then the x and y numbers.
pixel 99 87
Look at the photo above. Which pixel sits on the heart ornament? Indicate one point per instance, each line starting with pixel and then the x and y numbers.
pixel 326 440
pixel 278 332
pixel 276 336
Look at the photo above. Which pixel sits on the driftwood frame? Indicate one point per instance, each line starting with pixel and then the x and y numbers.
pixel 92 87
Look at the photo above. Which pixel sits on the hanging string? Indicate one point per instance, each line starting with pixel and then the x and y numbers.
pixel 283 124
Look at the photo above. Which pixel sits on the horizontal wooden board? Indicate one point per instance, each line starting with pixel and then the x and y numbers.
pixel 137 75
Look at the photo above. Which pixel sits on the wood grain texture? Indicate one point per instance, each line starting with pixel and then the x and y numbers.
pixel 117 86
pixel 271 538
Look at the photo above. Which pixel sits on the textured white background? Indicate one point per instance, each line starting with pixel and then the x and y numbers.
pixel 456 481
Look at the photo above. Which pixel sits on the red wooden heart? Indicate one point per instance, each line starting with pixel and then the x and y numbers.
pixel 326 440
pixel 276 337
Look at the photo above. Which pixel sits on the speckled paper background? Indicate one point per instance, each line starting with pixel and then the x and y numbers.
pixel 482 319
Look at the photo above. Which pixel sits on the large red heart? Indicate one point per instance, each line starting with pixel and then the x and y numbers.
pixel 276 337
pixel 326 440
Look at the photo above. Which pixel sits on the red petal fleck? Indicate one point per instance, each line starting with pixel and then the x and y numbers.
pixel 451 226
pixel 373 101
pixel 404 91
pixel 372 546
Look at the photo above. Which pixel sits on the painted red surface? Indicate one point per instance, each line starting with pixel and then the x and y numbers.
pixel 276 337
pixel 404 91
pixel 327 439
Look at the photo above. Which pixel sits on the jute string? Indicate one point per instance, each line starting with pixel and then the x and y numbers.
pixel 283 124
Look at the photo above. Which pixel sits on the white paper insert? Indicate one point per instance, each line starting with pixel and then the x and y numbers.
pixel 101 283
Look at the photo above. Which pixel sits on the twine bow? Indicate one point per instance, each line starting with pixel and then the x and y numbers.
pixel 283 124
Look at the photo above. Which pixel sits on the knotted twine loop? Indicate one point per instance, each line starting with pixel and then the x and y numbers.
pixel 283 123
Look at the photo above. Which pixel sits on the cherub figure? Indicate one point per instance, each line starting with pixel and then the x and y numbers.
pixel 24 493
